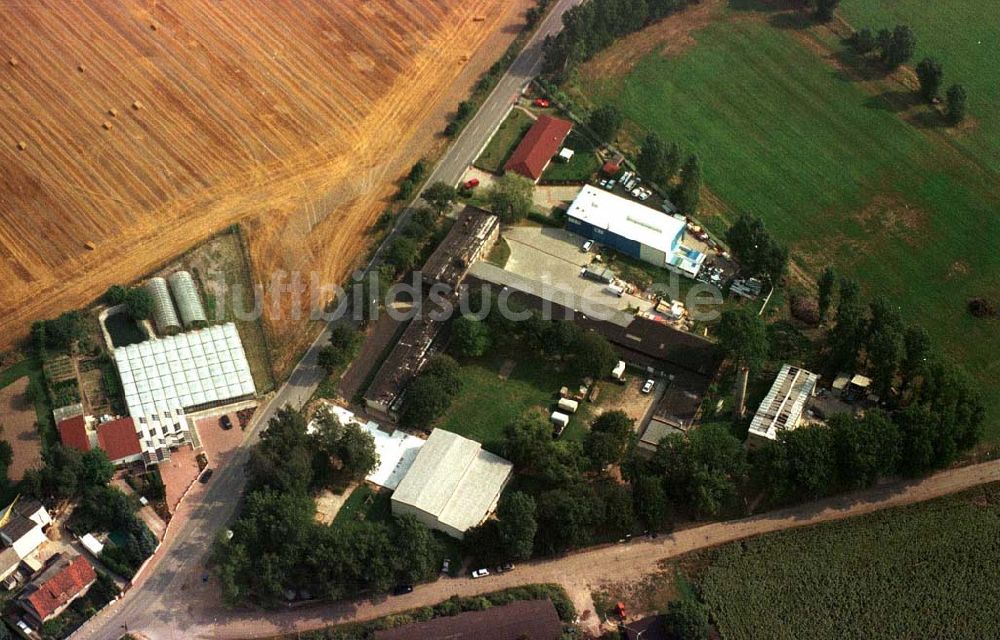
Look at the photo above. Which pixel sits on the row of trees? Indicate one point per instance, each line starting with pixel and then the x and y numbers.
pixel 593 25
pixel 277 547
pixel 58 334
pixel 892 48
pixel 930 73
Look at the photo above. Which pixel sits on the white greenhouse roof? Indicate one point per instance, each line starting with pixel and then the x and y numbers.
pixel 162 378
pixel 626 218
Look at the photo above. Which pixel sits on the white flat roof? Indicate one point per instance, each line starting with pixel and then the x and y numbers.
pixel 626 218
pixel 454 480
pixel 396 451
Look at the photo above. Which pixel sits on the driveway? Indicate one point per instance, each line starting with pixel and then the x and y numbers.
pixel 553 256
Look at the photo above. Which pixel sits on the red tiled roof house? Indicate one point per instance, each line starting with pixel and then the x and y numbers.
pixel 62 582
pixel 536 149
pixel 120 441
pixel 118 438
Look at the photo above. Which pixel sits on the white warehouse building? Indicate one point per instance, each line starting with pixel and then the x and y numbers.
pixel 452 485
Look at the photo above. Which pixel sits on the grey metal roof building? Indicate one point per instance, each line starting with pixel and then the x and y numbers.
pixel 164 314
pixel 187 299
pixel 783 405
pixel 452 485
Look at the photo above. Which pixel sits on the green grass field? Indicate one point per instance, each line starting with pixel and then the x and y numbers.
pixel 581 166
pixel 926 571
pixel 506 138
pixel 964 36
pixel 835 173
pixel 487 404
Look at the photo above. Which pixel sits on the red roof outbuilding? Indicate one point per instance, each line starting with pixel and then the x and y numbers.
pixel 119 439
pixel 542 141
pixel 61 588
pixel 73 433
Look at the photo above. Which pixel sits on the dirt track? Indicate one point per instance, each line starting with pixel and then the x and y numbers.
pixel 580 573
pixel 275 114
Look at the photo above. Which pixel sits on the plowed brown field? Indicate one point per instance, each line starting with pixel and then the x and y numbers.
pixel 148 126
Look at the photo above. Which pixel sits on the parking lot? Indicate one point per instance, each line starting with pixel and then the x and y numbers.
pixel 554 256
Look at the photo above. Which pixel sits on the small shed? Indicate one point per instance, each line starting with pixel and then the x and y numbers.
pixel 567 405
pixel 92 544
pixel 560 420
pixel 619 371
pixel 566 154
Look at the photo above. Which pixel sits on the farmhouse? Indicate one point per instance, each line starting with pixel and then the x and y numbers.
pixel 452 485
pixel 62 582
pixel 23 524
pixel 163 380
pixel 117 437
pixel 535 151
pixel 532 619
pixel 783 405
pixel 633 229
pixel 473 234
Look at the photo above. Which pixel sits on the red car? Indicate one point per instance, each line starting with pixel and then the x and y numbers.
pixel 471 184
pixel 542 102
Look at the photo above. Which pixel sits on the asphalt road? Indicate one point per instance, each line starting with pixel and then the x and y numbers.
pixel 162 605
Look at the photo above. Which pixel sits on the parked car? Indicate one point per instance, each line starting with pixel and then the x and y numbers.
pixel 446 565
pixel 542 102
pixel 471 184
pixel 225 422
pixel 402 589
pixel 587 245
pixel 505 567
pixel 206 475
pixel 481 573
pixel 648 386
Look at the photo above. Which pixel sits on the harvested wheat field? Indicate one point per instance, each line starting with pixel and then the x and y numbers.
pixel 131 130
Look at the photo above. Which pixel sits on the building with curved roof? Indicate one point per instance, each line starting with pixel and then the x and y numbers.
pixel 164 315
pixel 187 299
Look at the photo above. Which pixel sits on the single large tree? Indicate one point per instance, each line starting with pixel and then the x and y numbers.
pixel 510 197
pixel 470 337
pixel 440 196
pixel 517 528
pixel 885 344
pixel 825 285
pixel 758 253
pixel 688 193
pixel 930 73
pixel 609 438
pixel 900 47
pixel 847 337
pixel 605 121
pixel 650 502
pixel 743 337
pixel 652 160
pixel 957 99
pixel 824 9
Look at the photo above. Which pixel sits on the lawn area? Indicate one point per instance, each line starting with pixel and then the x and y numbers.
pixel 365 504
pixel 957 34
pixel 487 404
pixel 835 173
pixel 925 571
pixel 506 138
pixel 43 411
pixel 581 166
